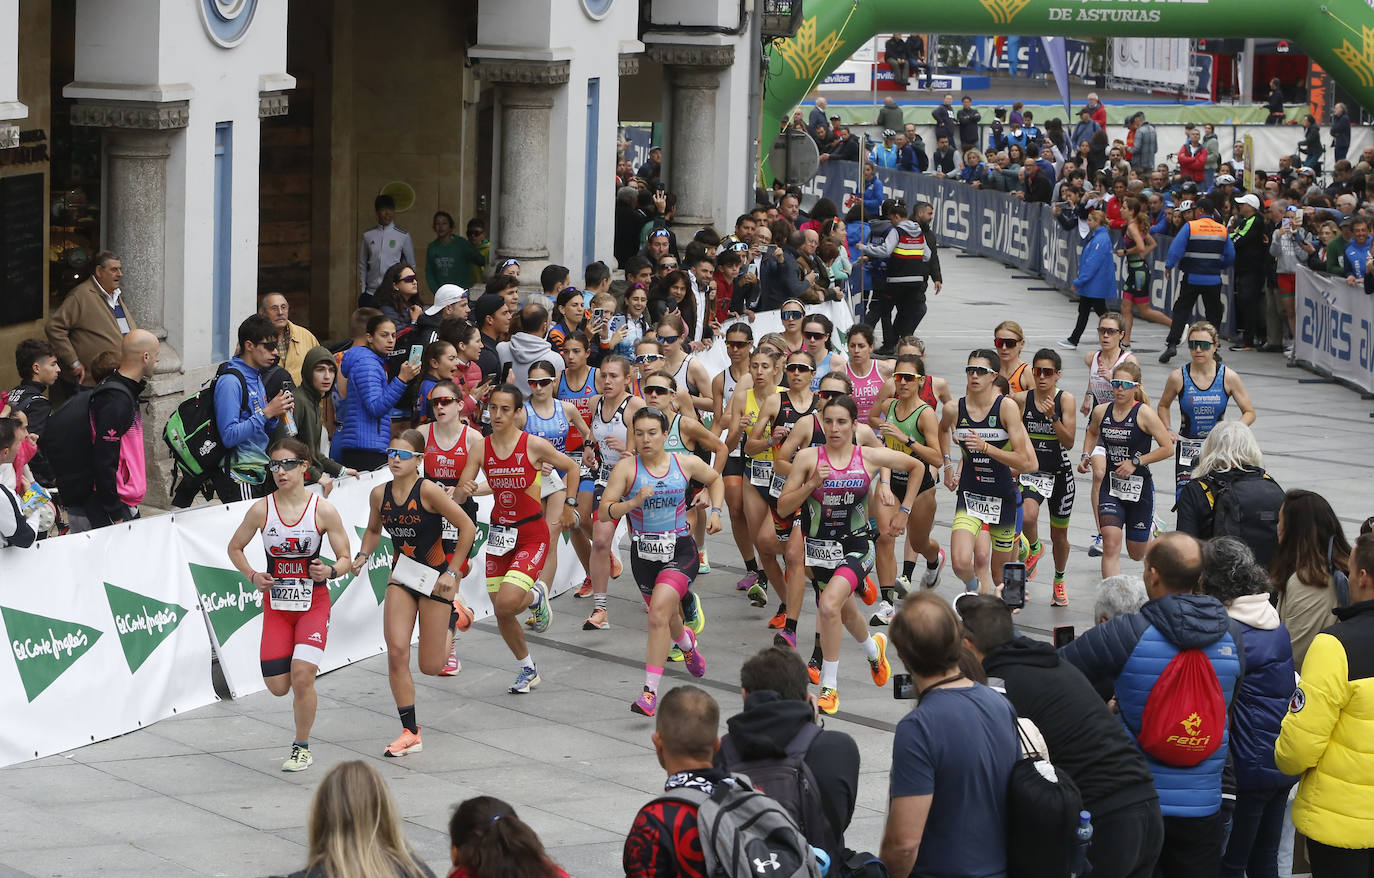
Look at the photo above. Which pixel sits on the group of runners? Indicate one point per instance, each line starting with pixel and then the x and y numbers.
pixel 820 459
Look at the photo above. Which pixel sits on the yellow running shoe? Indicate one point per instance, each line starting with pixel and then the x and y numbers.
pixel 829 702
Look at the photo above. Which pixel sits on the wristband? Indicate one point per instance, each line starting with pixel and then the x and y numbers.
pixel 716 510
pixel 905 510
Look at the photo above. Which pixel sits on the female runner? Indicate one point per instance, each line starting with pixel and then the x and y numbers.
pixel 739 345
pixel 518 536
pixel 758 468
pixel 686 435
pixel 441 362
pixel 610 419
pixel 1126 500
pixel 793 312
pixel 1136 244
pixel 690 375
pixel 554 420
pixel 865 373
pixel 651 487
pixel 1202 400
pixel 994 448
pixel 778 414
pixel 817 329
pixel 577 385
pixel 422 587
pixel 1101 364
pixel 453 458
pixel 829 484
pixel 1010 341
pixel 1050 419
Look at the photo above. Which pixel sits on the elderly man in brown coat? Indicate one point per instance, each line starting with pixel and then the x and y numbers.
pixel 91 320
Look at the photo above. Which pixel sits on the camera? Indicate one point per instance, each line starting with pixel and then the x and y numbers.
pixel 902 687
pixel 1014 584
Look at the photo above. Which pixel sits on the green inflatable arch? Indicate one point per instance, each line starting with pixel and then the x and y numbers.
pixel 1339 34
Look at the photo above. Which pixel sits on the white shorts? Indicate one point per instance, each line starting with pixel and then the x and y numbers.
pixel 550 485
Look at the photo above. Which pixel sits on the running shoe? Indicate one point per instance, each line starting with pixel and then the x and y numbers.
pixel 408 743
pixel 813 669
pixel 882 614
pixel 598 619
pixel 932 577
pixel 585 589
pixel 693 616
pixel 1095 547
pixel 880 667
pixel 675 653
pixel 703 563
pixel 1066 344
pixel 616 567
pixel 453 666
pixel 785 638
pixel 694 662
pixel 1033 560
pixel 541 614
pixel 779 618
pixel 1169 352
pixel 300 759
pixel 1022 548
pixel 748 580
pixel 646 704
pixel 528 679
pixel 901 587
pixel 1158 528
pixel 1061 597
pixel 465 615
pixel 829 702
pixel 867 591
pixel 758 594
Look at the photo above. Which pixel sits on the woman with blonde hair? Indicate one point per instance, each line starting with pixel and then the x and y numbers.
pixel 355 829
pixel 1229 456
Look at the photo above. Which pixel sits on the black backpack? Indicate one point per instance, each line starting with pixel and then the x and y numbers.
pixel 790 782
pixel 1247 508
pixel 744 832
pixel 68 441
pixel 1043 804
pixel 192 434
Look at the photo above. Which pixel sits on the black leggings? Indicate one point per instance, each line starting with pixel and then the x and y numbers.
pixel 1330 862
pixel 1085 305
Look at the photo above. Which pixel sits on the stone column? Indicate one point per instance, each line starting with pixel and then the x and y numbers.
pixel 527 93
pixel 694 77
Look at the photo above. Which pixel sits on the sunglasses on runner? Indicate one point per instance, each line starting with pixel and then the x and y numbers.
pixel 793 315
pixel 401 454
pixel 738 345
pixel 540 382
pixel 655 389
pixel 1198 344
pixel 1005 343
pixel 441 401
pixel 829 394
pixel 1123 384
pixel 668 339
pixel 799 367
pixel 1045 372
pixel 641 359
pixel 815 336
pixel 1107 330
pixel 977 371
pixel 904 376
pixel 285 464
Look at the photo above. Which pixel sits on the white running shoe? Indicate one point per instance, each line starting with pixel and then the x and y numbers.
pixel 930 578
pixel 882 614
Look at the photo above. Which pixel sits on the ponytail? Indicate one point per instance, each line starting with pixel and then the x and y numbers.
pixel 1131 369
pixel 492 842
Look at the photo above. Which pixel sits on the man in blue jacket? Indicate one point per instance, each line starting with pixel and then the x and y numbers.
pixel 244 415
pixel 1124 658
pixel 1202 251
pixel 365 419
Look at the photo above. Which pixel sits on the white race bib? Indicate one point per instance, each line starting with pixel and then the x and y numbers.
pixel 500 539
pixel 450 531
pixel 414 575
pixel 1189 450
pixel 1040 483
pixel 291 595
pixel 775 489
pixel 984 508
pixel 1127 489
pixel 823 553
pixel 761 473
pixel 656 546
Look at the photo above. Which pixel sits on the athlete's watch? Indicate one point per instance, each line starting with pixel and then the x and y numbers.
pixel 570 501
pixel 1135 459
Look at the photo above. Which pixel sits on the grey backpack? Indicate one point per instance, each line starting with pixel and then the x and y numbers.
pixel 744 832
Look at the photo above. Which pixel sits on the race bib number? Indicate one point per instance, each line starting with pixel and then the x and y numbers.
pixel 1040 483
pixel 656 547
pixel 414 575
pixel 775 489
pixel 450 531
pixel 823 553
pixel 984 508
pixel 1127 488
pixel 761 473
pixel 1189 450
pixel 603 474
pixel 290 595
pixel 500 539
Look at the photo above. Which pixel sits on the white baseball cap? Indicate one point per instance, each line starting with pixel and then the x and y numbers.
pixel 446 295
pixel 1249 198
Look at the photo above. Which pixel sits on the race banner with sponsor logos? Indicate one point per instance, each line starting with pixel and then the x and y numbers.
pixel 1335 323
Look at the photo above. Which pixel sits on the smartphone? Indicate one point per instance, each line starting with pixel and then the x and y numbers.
pixel 1062 634
pixel 617 321
pixel 599 314
pixel 660 186
pixel 416 352
pixel 1014 584
pixel 902 687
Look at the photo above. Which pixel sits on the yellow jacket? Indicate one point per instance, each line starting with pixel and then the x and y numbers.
pixel 302 340
pixel 1328 733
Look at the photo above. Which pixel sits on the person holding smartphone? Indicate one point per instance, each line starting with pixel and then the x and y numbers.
pixel 365 420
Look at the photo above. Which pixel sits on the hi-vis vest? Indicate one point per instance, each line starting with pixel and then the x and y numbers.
pixel 1206 246
pixel 907 264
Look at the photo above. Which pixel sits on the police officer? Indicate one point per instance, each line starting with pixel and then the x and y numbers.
pixel 383 246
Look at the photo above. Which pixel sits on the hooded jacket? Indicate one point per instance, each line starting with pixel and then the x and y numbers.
pixel 1125 656
pixel 243 426
pixel 1096 267
pixel 524 350
pixel 309 417
pixel 766 726
pixel 1083 737
pixel 1262 698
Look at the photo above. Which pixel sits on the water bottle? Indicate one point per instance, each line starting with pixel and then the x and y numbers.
pixel 290 422
pixel 1084 840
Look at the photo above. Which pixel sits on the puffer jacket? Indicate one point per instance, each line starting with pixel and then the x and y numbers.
pixel 1096 267
pixel 1125 656
pixel 1263 696
pixel 1328 734
pixel 365 418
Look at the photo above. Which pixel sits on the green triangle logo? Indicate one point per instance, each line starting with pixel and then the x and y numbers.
pixel 141 623
pixel 44 648
pixel 480 540
pixel 230 601
pixel 336 586
pixel 379 565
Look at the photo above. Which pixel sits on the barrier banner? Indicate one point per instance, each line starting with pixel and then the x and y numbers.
pixel 103 638
pixel 1335 323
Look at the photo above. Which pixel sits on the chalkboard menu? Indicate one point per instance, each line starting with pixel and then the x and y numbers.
pixel 23 262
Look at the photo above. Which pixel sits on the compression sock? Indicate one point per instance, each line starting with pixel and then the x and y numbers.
pixel 830 674
pixel 790 626
pixel 408 719
pixel 600 601
pixel 688 641
pixel 652 677
pixel 908 569
pixel 871 648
